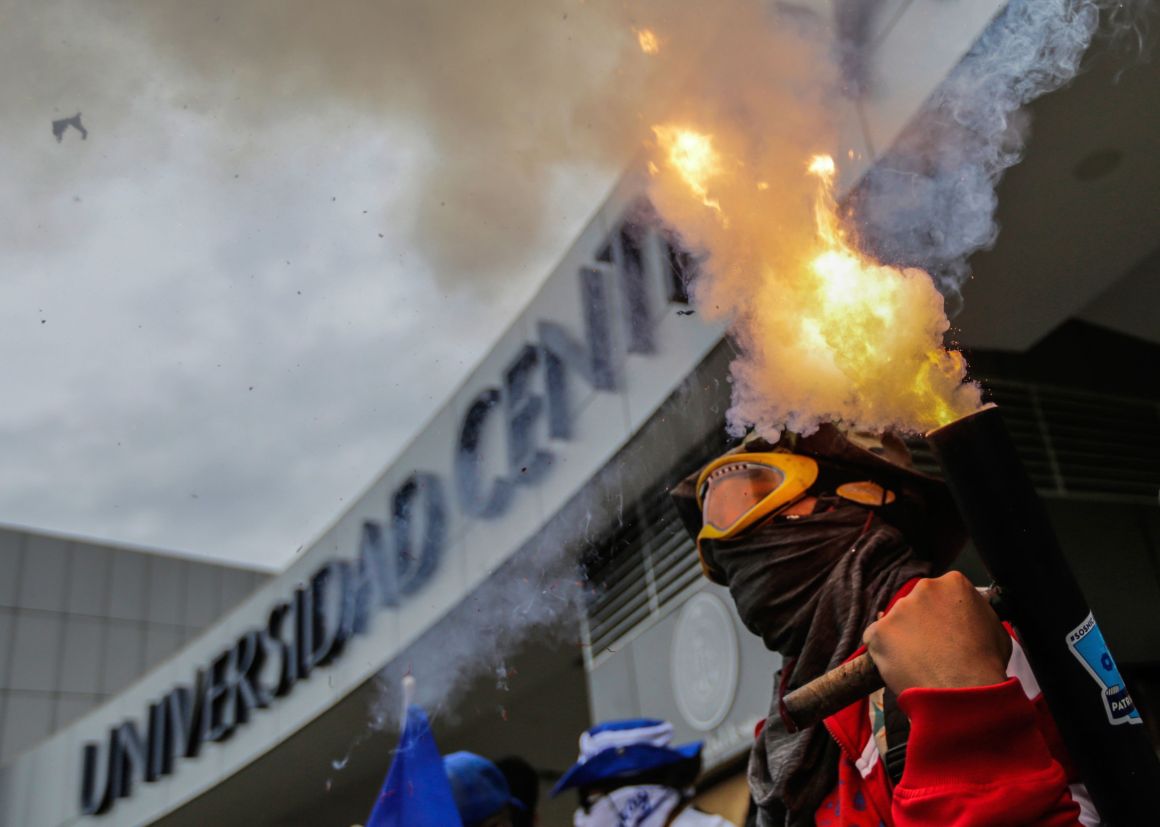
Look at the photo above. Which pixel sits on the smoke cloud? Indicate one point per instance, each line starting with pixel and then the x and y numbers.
pixel 496 107
pixel 540 589
pixel 506 101
pixel 931 201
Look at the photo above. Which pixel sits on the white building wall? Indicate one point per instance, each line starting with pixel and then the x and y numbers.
pixel 79 621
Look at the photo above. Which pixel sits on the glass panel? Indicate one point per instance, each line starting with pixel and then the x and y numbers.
pixel 736 490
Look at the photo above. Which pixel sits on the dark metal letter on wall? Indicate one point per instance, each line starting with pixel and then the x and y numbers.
pixel 637 310
pixel 592 360
pixel 475 497
pixel 95 798
pixel 419 528
pixel 527 463
pixel 375 570
pixel 280 635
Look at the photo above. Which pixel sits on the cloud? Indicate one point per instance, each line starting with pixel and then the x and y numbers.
pixel 498 95
pixel 212 348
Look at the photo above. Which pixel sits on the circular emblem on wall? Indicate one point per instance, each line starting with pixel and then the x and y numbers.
pixel 704 661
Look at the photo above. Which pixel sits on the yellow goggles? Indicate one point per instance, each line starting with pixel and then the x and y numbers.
pixel 737 491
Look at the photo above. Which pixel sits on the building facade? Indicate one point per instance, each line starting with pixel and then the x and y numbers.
pixel 80 621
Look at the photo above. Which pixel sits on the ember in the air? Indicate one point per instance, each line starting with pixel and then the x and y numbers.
pixel 648 41
pixel 691 155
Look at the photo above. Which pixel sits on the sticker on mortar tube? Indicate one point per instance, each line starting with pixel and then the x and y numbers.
pixel 1086 642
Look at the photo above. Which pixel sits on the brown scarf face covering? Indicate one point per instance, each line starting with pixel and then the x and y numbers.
pixel 809 587
pixel 775 571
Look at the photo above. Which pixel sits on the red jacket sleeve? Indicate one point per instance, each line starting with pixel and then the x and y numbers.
pixel 977 758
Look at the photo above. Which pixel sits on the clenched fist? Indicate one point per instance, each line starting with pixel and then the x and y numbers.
pixel 943 635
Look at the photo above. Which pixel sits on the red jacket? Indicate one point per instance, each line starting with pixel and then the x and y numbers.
pixel 988 756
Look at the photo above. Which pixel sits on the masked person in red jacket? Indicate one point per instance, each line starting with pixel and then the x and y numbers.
pixel 826 543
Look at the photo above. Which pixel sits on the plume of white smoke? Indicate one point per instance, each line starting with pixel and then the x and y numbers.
pixel 931 201
pixel 498 101
pixel 505 97
pixel 508 101
pixel 540 589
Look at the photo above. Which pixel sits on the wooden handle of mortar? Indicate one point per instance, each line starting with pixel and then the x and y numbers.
pixel 833 691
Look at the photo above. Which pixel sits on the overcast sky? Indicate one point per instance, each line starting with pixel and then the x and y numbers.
pixel 217 328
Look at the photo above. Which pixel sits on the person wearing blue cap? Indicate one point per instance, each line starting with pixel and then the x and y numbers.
pixel 481 792
pixel 628 775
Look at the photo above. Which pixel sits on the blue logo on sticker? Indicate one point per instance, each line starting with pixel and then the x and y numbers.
pixel 1087 644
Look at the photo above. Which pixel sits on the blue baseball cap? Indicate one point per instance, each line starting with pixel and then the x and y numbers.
pixel 479 788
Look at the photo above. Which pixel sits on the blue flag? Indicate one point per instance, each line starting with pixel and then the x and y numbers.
pixel 416 792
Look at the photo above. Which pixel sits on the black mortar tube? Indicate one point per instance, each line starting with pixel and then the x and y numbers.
pixel 1005 517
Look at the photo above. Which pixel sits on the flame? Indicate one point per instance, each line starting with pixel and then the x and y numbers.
pixel 822 166
pixel 859 306
pixel 826 332
pixel 692 156
pixel 647 38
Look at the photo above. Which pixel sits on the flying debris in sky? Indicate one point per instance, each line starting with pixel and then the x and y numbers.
pixel 59 127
